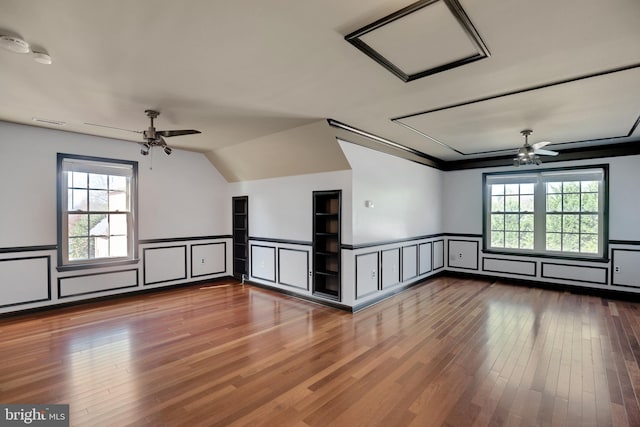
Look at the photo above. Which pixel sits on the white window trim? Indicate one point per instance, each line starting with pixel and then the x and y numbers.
pixel 103 166
pixel 539 178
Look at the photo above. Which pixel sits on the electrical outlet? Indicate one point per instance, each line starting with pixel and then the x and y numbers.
pixel 202 261
pixel 460 256
pixel 310 274
pixel 616 269
pixel 373 274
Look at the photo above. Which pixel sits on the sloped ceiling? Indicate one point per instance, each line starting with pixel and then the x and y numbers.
pixel 249 73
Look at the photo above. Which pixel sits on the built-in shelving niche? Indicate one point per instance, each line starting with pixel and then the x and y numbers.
pixel 326 243
pixel 240 235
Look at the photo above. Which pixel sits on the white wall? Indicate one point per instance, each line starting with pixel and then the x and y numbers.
pixel 281 208
pixel 462 199
pixel 407 196
pixel 182 196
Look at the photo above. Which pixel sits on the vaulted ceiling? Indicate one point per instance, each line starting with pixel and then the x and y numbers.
pixel 244 73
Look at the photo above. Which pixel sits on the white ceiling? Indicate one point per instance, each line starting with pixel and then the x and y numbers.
pixel 239 71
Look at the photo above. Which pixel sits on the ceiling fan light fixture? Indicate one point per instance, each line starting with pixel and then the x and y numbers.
pixel 14 44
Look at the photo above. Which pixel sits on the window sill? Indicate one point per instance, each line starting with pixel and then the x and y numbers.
pixel 105 264
pixel 550 256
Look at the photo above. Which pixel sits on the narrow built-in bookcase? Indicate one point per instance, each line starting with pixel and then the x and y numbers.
pixel 240 235
pixel 326 243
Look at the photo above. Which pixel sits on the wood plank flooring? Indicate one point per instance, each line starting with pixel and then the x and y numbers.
pixel 451 352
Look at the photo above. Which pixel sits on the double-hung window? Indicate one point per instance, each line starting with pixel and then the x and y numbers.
pixel 96 210
pixel 554 212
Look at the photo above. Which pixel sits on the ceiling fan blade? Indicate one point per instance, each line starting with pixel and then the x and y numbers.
pixel 540 144
pixel 168 133
pixel 546 152
pixel 113 127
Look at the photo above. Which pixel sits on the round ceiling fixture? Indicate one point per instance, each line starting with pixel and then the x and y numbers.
pixel 42 58
pixel 14 44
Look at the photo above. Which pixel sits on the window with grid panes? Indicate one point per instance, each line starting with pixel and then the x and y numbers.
pixel 551 212
pixel 96 210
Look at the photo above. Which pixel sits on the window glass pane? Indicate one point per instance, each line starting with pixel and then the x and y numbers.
pixel 554 223
pixel 589 224
pixel 117 201
pixel 78 225
pixel 589 202
pixel 526 203
pixel 497 239
pixel 118 246
pixel 589 243
pixel 571 187
pixel 497 222
pixel 118 183
pixel 93 249
pixel 526 222
pixel 497 204
pixel 512 203
pixel 118 224
pixel 589 186
pixel 98 225
pixel 98 200
pixel 570 242
pixel 526 188
pixel 98 182
pixel 554 203
pixel 100 246
pixel 512 188
pixel 554 187
pixel 526 240
pixel 78 248
pixel 554 241
pixel 511 222
pixel 511 239
pixel 571 203
pixel 77 200
pixel 570 220
pixel 78 179
pixel 571 223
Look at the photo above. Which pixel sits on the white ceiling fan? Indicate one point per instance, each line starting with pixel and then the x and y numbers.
pixel 153 137
pixel 530 154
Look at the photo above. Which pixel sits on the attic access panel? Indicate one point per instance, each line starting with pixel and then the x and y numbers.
pixel 424 38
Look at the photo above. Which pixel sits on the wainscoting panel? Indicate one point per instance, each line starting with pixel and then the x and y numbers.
pixel 263 262
pixel 390 267
pixel 510 266
pixel 576 273
pixel 463 254
pixel 438 254
pixel 25 280
pixel 208 258
pixel 409 262
pixel 627 262
pixel 293 268
pixel 165 264
pixel 425 256
pixel 367 274
pixel 85 284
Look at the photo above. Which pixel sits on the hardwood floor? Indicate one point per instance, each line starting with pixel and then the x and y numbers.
pixel 451 352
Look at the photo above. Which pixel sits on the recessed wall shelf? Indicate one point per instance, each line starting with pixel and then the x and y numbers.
pixel 326 243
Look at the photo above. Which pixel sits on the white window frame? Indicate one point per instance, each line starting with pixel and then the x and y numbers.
pixel 539 178
pixel 96 165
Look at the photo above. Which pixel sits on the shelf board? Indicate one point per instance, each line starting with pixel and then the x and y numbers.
pixel 323 233
pixel 327 273
pixel 327 214
pixel 326 253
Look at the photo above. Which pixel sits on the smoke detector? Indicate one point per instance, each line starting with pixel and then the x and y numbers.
pixel 14 44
